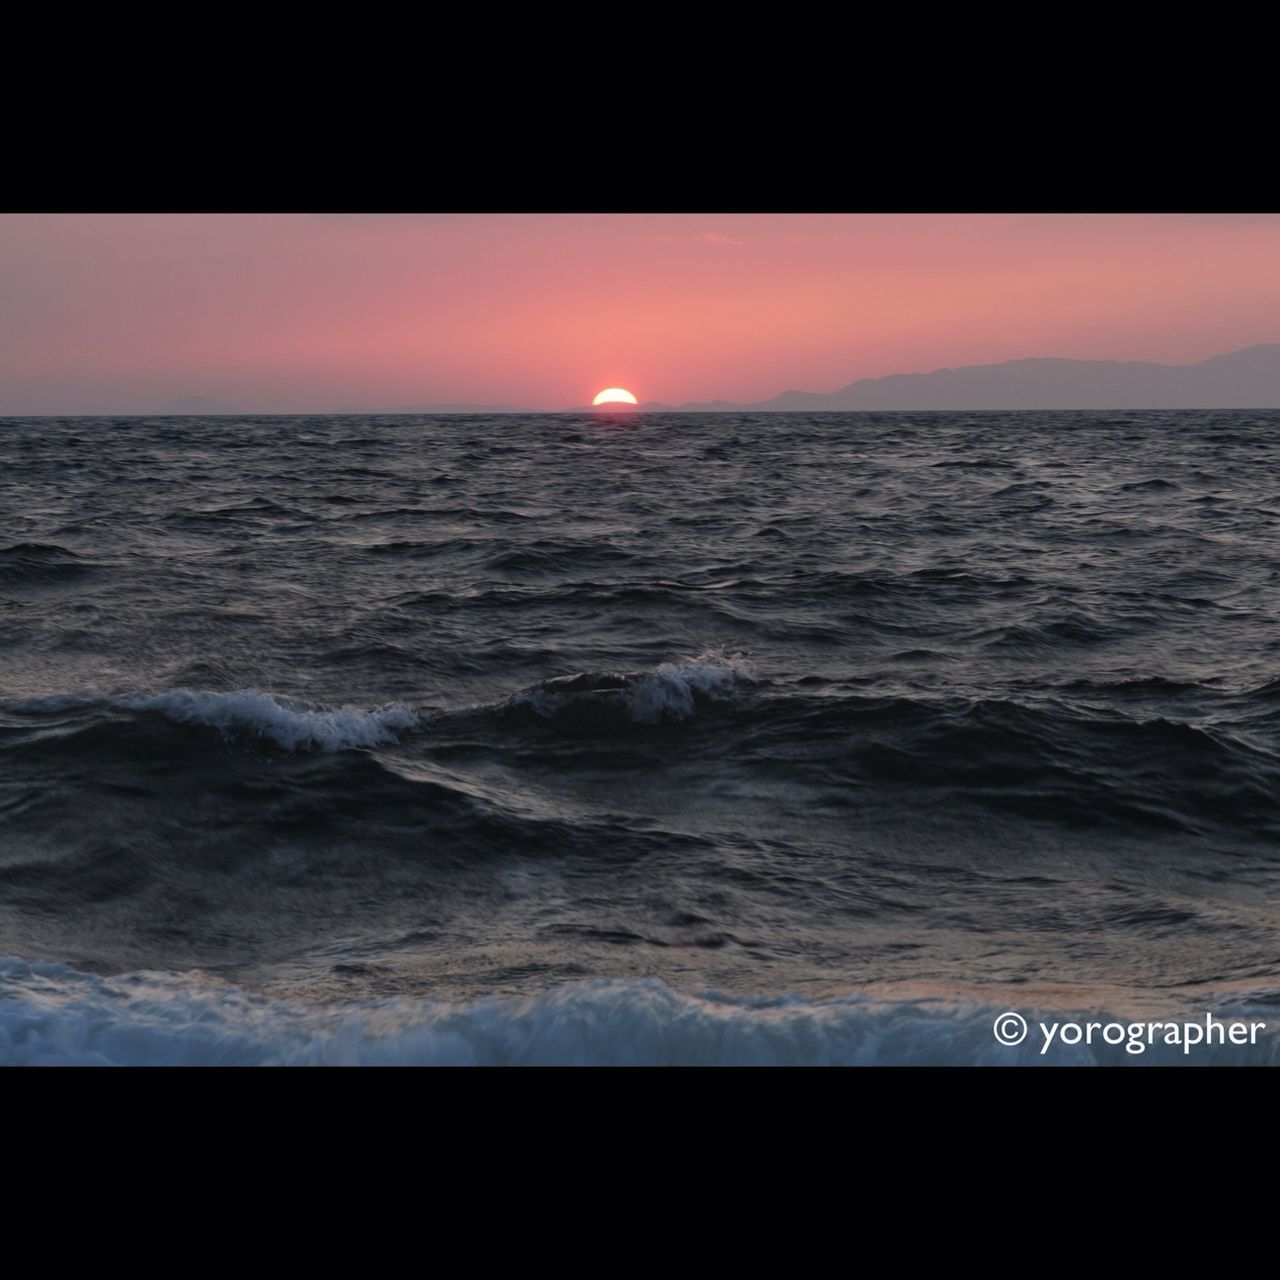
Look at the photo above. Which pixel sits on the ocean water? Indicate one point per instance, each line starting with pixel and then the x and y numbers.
pixel 660 738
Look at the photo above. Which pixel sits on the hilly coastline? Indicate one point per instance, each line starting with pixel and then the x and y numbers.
pixel 1247 379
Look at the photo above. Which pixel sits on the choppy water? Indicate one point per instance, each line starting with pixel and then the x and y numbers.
pixel 635 738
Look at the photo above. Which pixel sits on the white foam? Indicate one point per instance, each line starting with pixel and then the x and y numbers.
pixel 671 691
pixel 53 1014
pixel 289 724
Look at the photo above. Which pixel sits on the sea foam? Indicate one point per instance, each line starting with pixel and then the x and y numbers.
pixel 672 691
pixel 51 1014
pixel 292 725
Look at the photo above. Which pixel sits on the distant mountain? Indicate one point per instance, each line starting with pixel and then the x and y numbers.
pixel 204 406
pixel 1248 379
pixel 722 406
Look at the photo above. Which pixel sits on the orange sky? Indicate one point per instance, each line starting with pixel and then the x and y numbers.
pixel 312 313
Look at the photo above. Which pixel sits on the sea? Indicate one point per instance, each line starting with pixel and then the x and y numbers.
pixel 638 739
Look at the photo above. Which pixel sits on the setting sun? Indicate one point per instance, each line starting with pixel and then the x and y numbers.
pixel 615 395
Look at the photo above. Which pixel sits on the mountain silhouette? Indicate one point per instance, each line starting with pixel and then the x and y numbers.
pixel 1248 379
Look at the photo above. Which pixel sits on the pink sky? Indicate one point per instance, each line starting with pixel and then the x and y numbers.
pixel 115 313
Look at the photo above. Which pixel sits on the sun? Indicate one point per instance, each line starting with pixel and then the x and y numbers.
pixel 615 395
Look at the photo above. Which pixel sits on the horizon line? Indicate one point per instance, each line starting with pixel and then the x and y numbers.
pixel 689 405
pixel 632 412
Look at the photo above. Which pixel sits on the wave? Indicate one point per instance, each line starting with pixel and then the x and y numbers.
pixel 1211 767
pixel 672 692
pixel 39 563
pixel 52 1014
pixel 539 557
pixel 286 722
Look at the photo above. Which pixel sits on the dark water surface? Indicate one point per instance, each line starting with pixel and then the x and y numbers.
pixel 628 738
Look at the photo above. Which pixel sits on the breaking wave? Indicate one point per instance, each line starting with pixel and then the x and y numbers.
pixel 51 1014
pixel 287 723
pixel 672 692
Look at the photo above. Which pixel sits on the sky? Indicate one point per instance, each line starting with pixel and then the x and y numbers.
pixel 302 313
